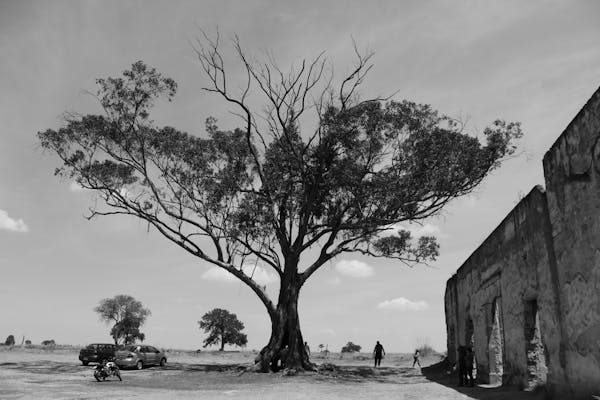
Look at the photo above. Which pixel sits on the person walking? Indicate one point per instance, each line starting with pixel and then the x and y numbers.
pixel 416 358
pixel 378 352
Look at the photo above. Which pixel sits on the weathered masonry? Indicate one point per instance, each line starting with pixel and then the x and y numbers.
pixel 528 299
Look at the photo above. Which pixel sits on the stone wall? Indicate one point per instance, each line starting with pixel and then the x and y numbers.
pixel 528 299
pixel 572 172
pixel 494 287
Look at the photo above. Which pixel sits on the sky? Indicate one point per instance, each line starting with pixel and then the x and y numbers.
pixel 536 62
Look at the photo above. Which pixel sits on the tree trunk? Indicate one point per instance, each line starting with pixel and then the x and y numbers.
pixel 286 346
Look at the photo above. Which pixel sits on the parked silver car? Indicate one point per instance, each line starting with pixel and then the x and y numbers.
pixel 139 356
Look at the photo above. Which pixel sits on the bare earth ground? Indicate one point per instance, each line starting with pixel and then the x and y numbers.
pixel 58 374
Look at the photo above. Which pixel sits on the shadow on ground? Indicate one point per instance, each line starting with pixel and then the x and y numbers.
pixel 46 367
pixel 440 374
pixel 346 373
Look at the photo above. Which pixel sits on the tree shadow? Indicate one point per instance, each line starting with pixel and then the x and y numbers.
pixel 232 367
pixel 347 373
pixel 442 374
pixel 44 367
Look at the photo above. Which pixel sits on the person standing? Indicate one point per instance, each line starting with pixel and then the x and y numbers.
pixel 378 352
pixel 416 358
pixel 462 366
pixel 469 361
pixel 307 349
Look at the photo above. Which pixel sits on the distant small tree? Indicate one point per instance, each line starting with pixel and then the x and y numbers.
pixel 222 327
pixel 10 340
pixel 28 343
pixel 424 347
pixel 321 347
pixel 351 348
pixel 50 342
pixel 128 315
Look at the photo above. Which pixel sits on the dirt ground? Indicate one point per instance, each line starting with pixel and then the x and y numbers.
pixel 58 374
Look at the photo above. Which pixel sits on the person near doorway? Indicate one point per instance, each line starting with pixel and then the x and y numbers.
pixel 378 352
pixel 469 360
pixel 462 366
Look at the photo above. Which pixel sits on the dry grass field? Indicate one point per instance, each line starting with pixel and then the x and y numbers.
pixel 36 373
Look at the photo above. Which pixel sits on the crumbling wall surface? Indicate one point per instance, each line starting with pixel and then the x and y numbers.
pixel 510 268
pixel 572 173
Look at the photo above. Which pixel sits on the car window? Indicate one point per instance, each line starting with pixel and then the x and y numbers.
pixel 152 349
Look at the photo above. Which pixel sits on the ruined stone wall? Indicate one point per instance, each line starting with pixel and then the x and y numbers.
pixel 530 294
pixel 493 289
pixel 572 172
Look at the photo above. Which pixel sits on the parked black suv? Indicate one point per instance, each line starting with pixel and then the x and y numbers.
pixel 96 352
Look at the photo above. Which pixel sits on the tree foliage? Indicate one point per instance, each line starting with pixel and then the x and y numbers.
pixel 10 340
pixel 351 348
pixel 283 190
pixel 223 328
pixel 127 316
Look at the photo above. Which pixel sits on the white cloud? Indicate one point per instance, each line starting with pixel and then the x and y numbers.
pixel 218 274
pixel 259 274
pixel 402 304
pixel 425 230
pixel 75 187
pixel 9 224
pixel 416 230
pixel 125 193
pixel 354 268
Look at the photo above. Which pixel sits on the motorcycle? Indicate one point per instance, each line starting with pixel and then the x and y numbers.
pixel 103 371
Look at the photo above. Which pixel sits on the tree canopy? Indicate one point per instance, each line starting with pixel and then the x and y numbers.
pixel 127 316
pixel 351 348
pixel 10 340
pixel 223 328
pixel 269 191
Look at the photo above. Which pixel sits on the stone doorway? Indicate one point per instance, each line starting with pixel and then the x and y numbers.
pixel 470 342
pixel 537 369
pixel 496 344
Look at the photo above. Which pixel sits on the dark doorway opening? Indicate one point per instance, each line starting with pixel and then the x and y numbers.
pixel 537 369
pixel 470 343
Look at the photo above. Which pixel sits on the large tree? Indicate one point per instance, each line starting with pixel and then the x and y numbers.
pixel 223 328
pixel 127 316
pixel 313 172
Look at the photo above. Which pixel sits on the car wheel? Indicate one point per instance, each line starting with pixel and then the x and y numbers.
pixel 163 362
pixel 139 365
pixel 85 362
